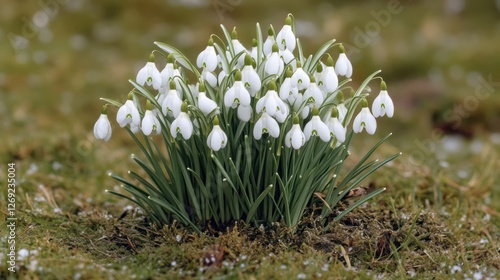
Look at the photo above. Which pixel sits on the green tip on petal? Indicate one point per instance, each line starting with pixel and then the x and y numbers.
pixel 184 107
pixel 383 85
pixel 364 103
pixel 295 119
pixel 151 57
pixel 104 109
pixel 288 20
pixel 254 64
pixel 254 42
pixel 237 75
pixel 234 34
pixel 149 106
pixel 275 47
pixel 248 59
pixel 329 61
pixel 210 41
pixel 315 111
pixel 271 85
pixel 342 49
pixel 312 79
pixel 130 95
pixel 170 58
pixel 319 68
pixel 172 84
pixel 201 87
pixel 216 120
pixel 289 72
pixel 270 31
pixel 335 112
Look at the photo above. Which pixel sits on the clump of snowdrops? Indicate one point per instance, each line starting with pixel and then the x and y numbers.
pixel 254 134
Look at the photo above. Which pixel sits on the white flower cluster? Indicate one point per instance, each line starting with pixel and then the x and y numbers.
pixel 267 86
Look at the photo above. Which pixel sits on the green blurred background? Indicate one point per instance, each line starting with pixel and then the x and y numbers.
pixel 60 56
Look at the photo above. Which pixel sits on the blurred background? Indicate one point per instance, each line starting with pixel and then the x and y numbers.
pixel 439 58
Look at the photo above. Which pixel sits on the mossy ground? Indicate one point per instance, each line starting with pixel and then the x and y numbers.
pixel 438 219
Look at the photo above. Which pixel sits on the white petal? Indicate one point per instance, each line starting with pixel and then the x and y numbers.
pixel 286 38
pixel 323 131
pixel 273 128
pixel 268 45
pixel 121 116
pixel 205 104
pixel 185 125
pixel 330 80
pixel 300 79
pixel 102 128
pixel 389 107
pixel 308 131
pixel 229 97
pixel 244 113
pixel 209 77
pixel 371 123
pixel 257 129
pixel 343 66
pixel 274 65
pixel 298 138
pixel 376 107
pixel 147 123
pixel 142 76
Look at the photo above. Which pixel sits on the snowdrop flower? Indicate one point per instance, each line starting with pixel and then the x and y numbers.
pixel 330 79
pixel 244 113
pixel 182 124
pixel 274 64
pixel 209 77
pixel 238 48
pixel 287 91
pixel 318 75
pixel 172 103
pixel 167 73
pixel 208 58
pixel 128 113
pixel 266 124
pixel 337 131
pixel 271 103
pixel 249 77
pixel 382 104
pixel 237 94
pixel 365 120
pixel 288 58
pixel 217 139
pixel 102 127
pixel 300 78
pixel 286 37
pixel 316 127
pixel 313 94
pixel 268 44
pixel 150 123
pixel 149 74
pixel 343 65
pixel 254 52
pixel 295 137
pixel 205 104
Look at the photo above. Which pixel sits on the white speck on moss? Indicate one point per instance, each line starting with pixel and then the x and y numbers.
pixel 301 276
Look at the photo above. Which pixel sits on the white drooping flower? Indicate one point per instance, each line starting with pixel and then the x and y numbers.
pixel 272 104
pixel 270 40
pixel 330 79
pixel 128 113
pixel 244 113
pixel 382 105
pixel 102 127
pixel 217 138
pixel 316 127
pixel 274 64
pixel 313 95
pixel 238 48
pixel 209 77
pixel 343 66
pixel 266 124
pixel 318 75
pixel 287 92
pixel 300 79
pixel 295 137
pixel 249 77
pixel 364 120
pixel 149 74
pixel 286 37
pixel 205 104
pixel 167 73
pixel 150 123
pixel 208 58
pixel 172 103
pixel 182 124
pixel 337 131
pixel 237 94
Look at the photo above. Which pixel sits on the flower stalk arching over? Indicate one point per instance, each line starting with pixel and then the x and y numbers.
pixel 240 133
